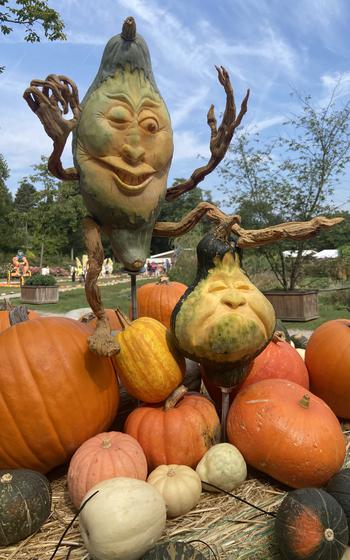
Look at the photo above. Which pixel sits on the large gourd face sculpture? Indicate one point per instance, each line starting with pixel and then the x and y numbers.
pixel 123 148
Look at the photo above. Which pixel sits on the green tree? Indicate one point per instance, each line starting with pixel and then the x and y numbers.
pixel 31 15
pixel 22 214
pixel 6 203
pixel 290 179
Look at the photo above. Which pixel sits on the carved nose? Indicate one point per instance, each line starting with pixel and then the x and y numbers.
pixel 233 300
pixel 133 154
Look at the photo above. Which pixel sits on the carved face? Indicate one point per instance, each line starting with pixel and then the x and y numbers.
pixel 227 317
pixel 123 151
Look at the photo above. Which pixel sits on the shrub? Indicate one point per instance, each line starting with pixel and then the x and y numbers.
pixel 40 280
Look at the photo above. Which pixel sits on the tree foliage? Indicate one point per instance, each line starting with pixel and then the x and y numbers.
pixel 32 15
pixel 291 178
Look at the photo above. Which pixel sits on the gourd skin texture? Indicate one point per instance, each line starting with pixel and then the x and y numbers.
pixel 148 365
pixel 327 359
pixel 55 393
pixel 339 487
pixel 296 445
pixel 157 300
pixel 222 465
pixel 224 318
pixel 311 525
pixel 180 435
pixel 123 520
pixel 25 504
pixel 180 487
pixel 101 457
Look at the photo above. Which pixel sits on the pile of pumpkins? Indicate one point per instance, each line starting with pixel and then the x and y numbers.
pixel 59 401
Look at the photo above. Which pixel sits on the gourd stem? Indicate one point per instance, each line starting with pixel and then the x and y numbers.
pixel 123 319
pixel 225 404
pixel 272 513
pixel 278 336
pixel 175 396
pixel 305 401
pixel 106 443
pixel 18 314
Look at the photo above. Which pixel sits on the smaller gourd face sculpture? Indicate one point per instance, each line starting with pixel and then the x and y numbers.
pixel 123 149
pixel 225 318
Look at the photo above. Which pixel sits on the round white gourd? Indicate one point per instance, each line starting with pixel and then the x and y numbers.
pixel 301 352
pixel 222 465
pixel 123 520
pixel 180 486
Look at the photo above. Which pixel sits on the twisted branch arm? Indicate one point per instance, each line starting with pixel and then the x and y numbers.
pixel 50 99
pixel 245 237
pixel 220 138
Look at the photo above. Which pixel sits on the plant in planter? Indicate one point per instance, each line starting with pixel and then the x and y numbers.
pixel 40 288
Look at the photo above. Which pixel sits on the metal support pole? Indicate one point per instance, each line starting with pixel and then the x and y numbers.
pixel 133 295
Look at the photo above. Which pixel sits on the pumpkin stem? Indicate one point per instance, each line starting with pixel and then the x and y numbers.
pixel 329 534
pixel 305 401
pixel 106 443
pixel 123 319
pixel 175 397
pixel 18 314
pixel 6 478
pixel 278 336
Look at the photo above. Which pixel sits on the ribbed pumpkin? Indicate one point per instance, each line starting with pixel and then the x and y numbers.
pixel 101 457
pixel 5 318
pixel 111 316
pixel 327 359
pixel 311 525
pixel 148 365
pixel 180 432
pixel 158 299
pixel 25 504
pixel 339 487
pixel 286 432
pixel 55 393
pixel 279 360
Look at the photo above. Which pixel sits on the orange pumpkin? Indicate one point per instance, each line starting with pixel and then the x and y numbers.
pixel 113 320
pixel 286 432
pixel 55 393
pixel 180 432
pixel 5 318
pixel 327 358
pixel 158 299
pixel 279 360
pixel 148 365
pixel 101 457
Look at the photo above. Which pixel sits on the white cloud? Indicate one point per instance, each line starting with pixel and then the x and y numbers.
pixel 186 105
pixel 338 82
pixel 187 146
pixel 258 126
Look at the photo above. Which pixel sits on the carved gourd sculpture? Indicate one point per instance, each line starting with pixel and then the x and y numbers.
pixel 122 151
pixel 222 321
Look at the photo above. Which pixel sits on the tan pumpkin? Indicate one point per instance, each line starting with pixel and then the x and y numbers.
pixel 180 486
pixel 101 457
pixel 286 432
pixel 147 364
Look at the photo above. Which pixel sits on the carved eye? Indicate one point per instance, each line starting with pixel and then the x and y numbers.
pixel 242 286
pixel 217 286
pixel 150 124
pixel 119 115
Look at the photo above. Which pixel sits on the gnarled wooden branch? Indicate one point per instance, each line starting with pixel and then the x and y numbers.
pixel 245 237
pixel 220 137
pixel 50 99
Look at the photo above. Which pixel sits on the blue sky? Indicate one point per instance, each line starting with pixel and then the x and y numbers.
pixel 270 46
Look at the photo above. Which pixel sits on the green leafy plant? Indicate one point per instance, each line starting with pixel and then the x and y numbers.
pixel 41 280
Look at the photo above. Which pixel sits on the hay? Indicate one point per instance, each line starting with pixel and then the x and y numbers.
pixel 234 530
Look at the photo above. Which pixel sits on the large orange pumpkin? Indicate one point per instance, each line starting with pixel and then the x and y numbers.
pixel 286 432
pixel 5 318
pixel 158 299
pixel 148 364
pixel 101 457
pixel 279 360
pixel 180 432
pixel 327 359
pixel 55 393
pixel 113 320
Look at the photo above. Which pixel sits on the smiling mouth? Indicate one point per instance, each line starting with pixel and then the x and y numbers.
pixel 129 179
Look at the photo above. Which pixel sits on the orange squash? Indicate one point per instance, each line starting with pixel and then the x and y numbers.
pixel 179 432
pixel 286 432
pixel 327 359
pixel 55 393
pixel 101 457
pixel 158 299
pixel 148 365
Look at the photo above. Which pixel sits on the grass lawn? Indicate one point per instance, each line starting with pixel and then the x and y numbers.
pixel 114 296
pixel 326 312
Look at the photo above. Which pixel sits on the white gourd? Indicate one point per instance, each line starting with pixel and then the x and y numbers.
pixel 123 520
pixel 301 352
pixel 222 465
pixel 179 485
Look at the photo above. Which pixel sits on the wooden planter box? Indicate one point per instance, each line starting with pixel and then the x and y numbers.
pixel 294 305
pixel 39 294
